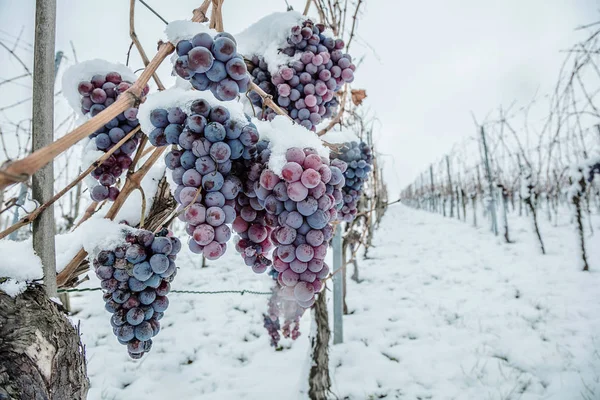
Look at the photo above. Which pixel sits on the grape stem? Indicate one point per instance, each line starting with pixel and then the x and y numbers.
pixel 268 99
pixel 338 118
pixel 175 214
pixel 307 7
pixel 89 211
pixel 26 220
pixel 143 213
pixel 138 154
pixel 216 18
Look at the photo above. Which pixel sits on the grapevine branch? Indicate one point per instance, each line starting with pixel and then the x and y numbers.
pixel 20 170
pixel 35 213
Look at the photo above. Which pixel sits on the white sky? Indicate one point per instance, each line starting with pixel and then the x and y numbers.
pixel 432 62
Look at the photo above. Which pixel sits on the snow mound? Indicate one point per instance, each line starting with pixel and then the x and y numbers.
pixel 284 134
pixel 84 71
pixel 131 210
pixel 20 265
pixel 337 136
pixel 89 155
pixel 179 97
pixel 265 37
pixel 185 29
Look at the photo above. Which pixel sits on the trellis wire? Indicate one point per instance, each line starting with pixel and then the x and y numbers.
pixel 241 292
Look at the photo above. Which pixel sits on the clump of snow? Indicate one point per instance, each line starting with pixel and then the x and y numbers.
pixel 284 134
pixel 267 36
pixel 89 155
pixel 179 97
pixel 131 209
pixel 185 30
pixel 93 235
pixel 19 264
pixel 340 136
pixel 100 233
pixel 84 71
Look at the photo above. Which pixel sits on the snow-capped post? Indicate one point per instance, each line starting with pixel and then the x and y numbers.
pixel 491 185
pixel 338 288
pixel 450 188
pixel 504 194
pixel 432 201
pixel 44 227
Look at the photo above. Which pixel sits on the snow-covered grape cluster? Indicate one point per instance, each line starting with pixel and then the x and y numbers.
pixel 358 157
pixel 97 94
pixel 271 319
pixel 136 280
pixel 289 310
pixel 298 211
pixel 306 87
pixel 212 64
pixel 207 142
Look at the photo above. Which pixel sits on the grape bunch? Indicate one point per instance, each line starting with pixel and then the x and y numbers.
pixel 253 224
pixel 304 201
pixel 207 142
pixel 306 87
pixel 271 318
pixel 97 94
pixel 358 158
pixel 136 280
pixel 212 64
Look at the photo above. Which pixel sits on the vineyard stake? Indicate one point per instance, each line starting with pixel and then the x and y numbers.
pixel 42 185
pixel 338 288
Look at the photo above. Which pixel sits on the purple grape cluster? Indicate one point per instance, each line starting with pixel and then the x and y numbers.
pixel 358 157
pixel 306 87
pixel 206 144
pixel 253 224
pixel 212 64
pixel 136 280
pixel 304 202
pixel 97 94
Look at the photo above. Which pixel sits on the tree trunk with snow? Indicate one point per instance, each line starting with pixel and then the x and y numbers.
pixel 41 355
pixel 318 379
pixel 536 227
pixel 576 200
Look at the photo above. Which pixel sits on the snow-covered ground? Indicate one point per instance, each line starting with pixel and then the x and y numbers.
pixel 445 311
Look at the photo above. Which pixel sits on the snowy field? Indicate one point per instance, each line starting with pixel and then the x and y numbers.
pixel 445 311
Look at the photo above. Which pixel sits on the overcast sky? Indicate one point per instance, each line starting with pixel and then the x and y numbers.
pixel 428 63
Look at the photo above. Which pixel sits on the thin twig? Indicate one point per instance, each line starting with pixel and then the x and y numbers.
pixel 137 43
pixel 35 213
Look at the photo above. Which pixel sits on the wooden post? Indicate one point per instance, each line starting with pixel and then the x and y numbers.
pixel 42 135
pixel 338 289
